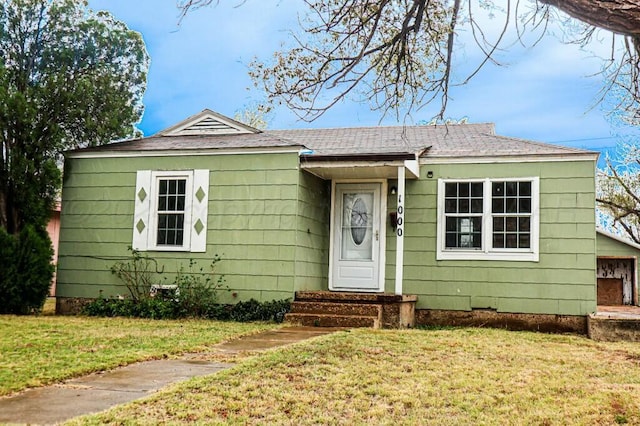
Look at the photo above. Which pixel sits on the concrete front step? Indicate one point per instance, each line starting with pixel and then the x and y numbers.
pixel 333 308
pixel 607 327
pixel 331 320
pixel 382 310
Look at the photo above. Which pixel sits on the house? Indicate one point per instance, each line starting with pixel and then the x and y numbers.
pixel 454 223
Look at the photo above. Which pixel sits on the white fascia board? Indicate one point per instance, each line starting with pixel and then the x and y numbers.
pixel 182 152
pixel 508 159
pixel 347 164
pixel 413 166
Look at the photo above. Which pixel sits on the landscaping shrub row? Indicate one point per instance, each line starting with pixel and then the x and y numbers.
pixel 192 293
pixel 174 308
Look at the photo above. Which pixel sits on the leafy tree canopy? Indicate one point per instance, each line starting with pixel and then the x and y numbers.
pixel 398 54
pixel 69 77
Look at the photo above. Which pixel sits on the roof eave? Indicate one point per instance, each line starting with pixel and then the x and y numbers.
pixel 180 152
pixel 393 156
pixel 573 156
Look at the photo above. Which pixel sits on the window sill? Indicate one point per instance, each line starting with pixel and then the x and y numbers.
pixel 169 248
pixel 492 255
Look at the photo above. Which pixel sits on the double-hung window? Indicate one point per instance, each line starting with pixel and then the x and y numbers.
pixel 488 219
pixel 171 210
pixel 463 206
pixel 511 211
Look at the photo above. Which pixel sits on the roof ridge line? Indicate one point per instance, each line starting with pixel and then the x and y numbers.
pixel 486 123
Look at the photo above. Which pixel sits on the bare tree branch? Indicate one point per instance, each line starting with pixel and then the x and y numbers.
pixel 400 54
pixel 619 194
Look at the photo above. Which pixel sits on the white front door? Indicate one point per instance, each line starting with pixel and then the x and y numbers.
pixel 356 238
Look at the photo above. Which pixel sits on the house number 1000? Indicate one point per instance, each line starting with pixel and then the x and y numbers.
pixel 400 217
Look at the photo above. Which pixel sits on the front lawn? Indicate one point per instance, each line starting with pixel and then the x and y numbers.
pixel 35 351
pixel 440 377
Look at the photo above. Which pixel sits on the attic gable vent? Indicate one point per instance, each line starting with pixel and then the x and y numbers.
pixel 208 126
pixel 208 123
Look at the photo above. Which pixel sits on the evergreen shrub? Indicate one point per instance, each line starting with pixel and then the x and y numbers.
pixel 25 270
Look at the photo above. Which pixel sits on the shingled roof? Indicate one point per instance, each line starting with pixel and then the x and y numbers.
pixel 457 140
pixel 429 141
pixel 185 143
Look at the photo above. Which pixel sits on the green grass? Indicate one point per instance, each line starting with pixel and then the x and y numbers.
pixel 439 377
pixel 40 350
pixel 49 307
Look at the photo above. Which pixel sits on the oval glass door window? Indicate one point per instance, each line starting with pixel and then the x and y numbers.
pixel 359 221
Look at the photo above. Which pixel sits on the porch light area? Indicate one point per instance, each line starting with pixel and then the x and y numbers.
pixel 364 166
pixel 357 176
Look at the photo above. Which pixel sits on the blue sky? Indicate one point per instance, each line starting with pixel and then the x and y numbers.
pixel 542 93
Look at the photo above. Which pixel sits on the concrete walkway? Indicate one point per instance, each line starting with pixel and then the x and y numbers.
pixel 99 391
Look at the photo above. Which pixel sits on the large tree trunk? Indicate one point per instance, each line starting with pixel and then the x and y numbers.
pixel 3 211
pixel 618 16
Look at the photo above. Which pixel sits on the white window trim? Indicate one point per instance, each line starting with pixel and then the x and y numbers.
pixel 196 208
pixel 487 252
pixel 153 217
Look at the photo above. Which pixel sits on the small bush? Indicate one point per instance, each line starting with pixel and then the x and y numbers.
pixel 148 308
pixel 252 310
pixel 157 309
pixel 197 289
pixel 26 270
pixel 109 308
pixel 137 273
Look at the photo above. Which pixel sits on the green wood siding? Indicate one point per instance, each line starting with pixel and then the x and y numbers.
pixel 269 221
pixel 312 238
pixel 562 282
pixel 607 246
pixel 258 206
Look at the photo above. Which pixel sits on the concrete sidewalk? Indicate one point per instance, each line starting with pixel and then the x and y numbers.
pixel 99 391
